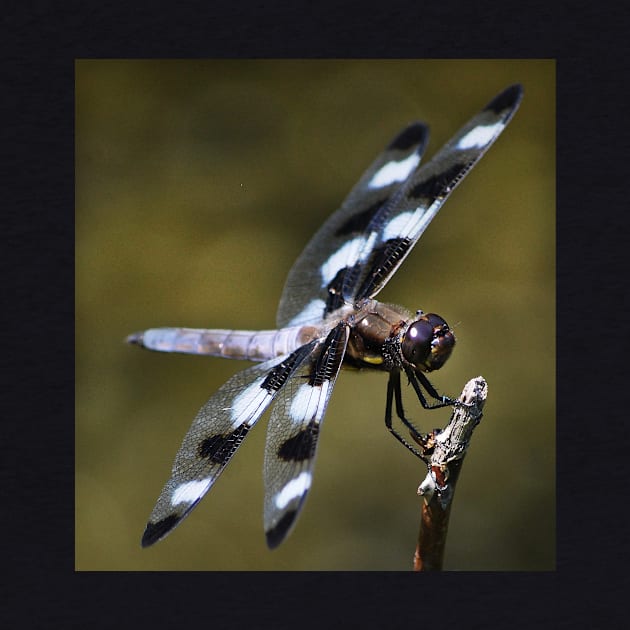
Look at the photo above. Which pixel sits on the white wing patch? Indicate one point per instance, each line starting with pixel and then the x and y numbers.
pixel 422 217
pixel 189 491
pixel 397 226
pixel 340 259
pixel 313 311
pixel 479 136
pixel 294 489
pixel 309 402
pixel 394 171
pixel 247 404
pixel 410 224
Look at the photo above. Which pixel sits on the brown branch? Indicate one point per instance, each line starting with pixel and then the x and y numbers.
pixel 445 452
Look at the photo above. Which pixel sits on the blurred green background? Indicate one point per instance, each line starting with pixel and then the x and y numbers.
pixel 197 185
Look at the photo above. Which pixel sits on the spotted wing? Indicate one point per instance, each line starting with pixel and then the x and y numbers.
pixel 361 245
pixel 214 436
pixel 292 435
pixel 305 296
pixel 399 223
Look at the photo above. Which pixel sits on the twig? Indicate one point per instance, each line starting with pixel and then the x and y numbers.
pixel 445 452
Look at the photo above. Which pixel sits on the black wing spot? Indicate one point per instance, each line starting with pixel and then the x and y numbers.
pixel 381 261
pixel 333 302
pixel 340 287
pixel 155 531
pixel 278 533
pixel 220 448
pixel 334 299
pixel 415 133
pixel 506 100
pixel 358 223
pixel 441 183
pixel 301 446
pixel 279 374
pixel 331 356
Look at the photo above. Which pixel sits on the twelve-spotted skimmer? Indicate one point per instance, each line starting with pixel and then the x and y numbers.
pixel 327 318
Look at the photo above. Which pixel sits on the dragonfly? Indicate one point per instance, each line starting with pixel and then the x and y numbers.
pixel 327 318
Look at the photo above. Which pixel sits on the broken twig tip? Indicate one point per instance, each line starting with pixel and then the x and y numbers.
pixel 438 487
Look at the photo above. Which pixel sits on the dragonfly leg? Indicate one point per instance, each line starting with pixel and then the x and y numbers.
pixel 419 380
pixel 394 393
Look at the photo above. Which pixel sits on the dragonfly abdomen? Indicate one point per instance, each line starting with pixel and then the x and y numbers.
pixel 253 345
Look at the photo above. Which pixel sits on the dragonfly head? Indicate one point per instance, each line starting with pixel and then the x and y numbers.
pixel 428 342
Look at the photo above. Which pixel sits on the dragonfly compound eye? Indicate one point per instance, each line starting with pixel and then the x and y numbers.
pixel 428 343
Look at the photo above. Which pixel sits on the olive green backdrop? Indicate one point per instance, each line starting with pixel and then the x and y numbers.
pixel 197 185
